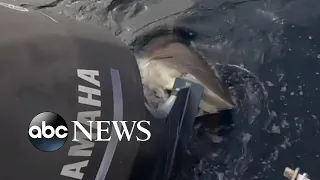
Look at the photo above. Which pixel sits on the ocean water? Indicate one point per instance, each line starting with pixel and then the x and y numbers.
pixel 272 52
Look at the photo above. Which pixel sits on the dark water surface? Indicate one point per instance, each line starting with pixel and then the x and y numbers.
pixel 277 40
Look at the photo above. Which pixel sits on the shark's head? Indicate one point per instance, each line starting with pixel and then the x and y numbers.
pixel 165 58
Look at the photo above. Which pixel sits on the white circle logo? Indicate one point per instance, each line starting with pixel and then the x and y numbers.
pixel 17 8
pixel 48 132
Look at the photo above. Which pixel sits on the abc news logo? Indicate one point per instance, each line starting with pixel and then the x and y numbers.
pixel 48 131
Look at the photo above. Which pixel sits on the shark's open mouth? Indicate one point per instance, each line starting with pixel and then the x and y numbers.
pixel 164 55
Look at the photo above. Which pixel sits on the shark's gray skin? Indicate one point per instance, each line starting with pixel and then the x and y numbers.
pixel 166 58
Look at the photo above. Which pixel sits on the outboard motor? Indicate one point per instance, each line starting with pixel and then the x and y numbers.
pixel 53 64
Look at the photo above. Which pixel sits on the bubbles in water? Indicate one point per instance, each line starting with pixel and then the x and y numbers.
pixel 232 157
